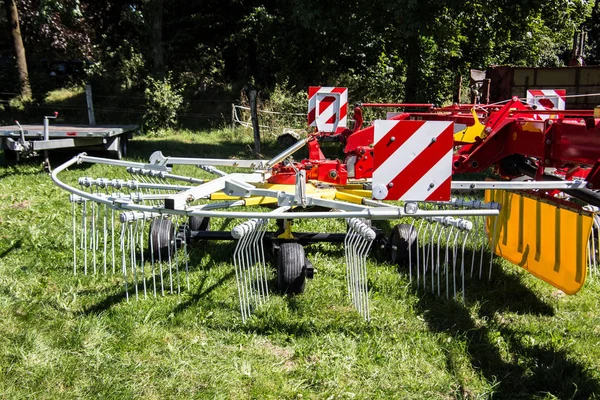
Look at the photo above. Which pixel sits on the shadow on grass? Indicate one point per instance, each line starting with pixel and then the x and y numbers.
pixel 142 149
pixel 15 246
pixel 532 370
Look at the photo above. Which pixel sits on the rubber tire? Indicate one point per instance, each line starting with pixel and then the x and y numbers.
pixel 123 145
pixel 291 278
pixel 199 223
pixel 403 236
pixel 163 231
pixel 10 157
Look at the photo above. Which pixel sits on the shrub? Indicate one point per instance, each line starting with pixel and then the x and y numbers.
pixel 163 102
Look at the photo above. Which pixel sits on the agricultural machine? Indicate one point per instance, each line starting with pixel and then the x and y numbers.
pixel 539 212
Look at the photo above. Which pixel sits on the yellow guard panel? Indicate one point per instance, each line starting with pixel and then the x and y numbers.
pixel 547 240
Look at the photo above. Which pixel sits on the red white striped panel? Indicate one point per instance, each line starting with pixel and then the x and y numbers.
pixel 327 108
pixel 547 99
pixel 412 160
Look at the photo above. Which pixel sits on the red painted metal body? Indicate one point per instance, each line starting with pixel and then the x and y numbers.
pixel 568 140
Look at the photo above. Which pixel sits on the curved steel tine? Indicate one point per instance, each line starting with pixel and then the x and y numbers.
pixel 84 222
pixel 112 237
pixel 187 256
pixel 462 265
pixel 238 278
pixel 412 227
pixel 132 235
pixel 124 264
pixel 418 251
pixel 170 266
pixel 105 236
pixel 432 248
pixel 151 241
pixel 446 262
pixel 494 238
pixel 142 262
pixel 454 255
pixel 176 222
pixel 476 241
pixel 483 242
pixel 160 264
pixel 74 238
pixel 442 229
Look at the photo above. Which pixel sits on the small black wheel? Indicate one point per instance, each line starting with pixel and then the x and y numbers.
pixel 124 145
pixel 10 156
pixel 403 236
pixel 291 278
pixel 199 223
pixel 161 239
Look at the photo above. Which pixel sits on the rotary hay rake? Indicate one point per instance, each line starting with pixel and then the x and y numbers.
pixel 396 169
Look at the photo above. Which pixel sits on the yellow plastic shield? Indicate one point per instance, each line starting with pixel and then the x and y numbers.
pixel 546 239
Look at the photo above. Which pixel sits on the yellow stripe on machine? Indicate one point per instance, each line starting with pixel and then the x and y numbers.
pixel 546 239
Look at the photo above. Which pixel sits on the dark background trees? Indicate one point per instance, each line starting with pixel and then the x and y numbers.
pixel 386 50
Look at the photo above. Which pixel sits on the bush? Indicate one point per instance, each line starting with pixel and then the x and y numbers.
pixel 163 102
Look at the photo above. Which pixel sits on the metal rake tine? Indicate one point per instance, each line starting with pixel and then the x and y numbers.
pixel 74 238
pixel 462 266
pixel 443 228
pixel 425 255
pixel 104 236
pixel 185 251
pixel 252 258
pixel 142 262
pixel 112 236
pixel 437 225
pixel 93 235
pixel 170 265
pixel 247 291
pixel 246 266
pixel 260 244
pixel 238 278
pixel 347 258
pixel 84 212
pixel 360 302
pixel 124 266
pixel 132 235
pixel 152 258
pixel 476 241
pixel 494 234
pixel 447 262
pixel 454 256
pixel 418 251
pixel 160 264
pixel 482 246
pixel 177 222
pixel 410 251
pixel 353 277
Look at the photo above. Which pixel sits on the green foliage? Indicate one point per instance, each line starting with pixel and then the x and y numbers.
pixel 163 102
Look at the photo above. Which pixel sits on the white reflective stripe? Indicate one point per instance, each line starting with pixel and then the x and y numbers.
pixel 409 150
pixel 437 175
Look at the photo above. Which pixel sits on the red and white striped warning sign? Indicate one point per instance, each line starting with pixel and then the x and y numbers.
pixel 327 107
pixel 413 160
pixel 547 99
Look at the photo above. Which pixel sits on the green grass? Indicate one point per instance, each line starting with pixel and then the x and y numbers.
pixel 65 336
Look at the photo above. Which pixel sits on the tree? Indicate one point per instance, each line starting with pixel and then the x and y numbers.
pixel 13 18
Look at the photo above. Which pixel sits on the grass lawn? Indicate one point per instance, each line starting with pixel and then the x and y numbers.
pixel 66 336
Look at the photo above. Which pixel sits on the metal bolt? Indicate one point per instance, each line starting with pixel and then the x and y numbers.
pixel 431 185
pixel 547 161
pixel 548 141
pixel 393 139
pixel 391 184
pixel 590 185
pixel 433 139
pixel 472 186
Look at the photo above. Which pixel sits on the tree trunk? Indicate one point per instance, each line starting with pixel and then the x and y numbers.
pixel 157 50
pixel 13 19
pixel 412 90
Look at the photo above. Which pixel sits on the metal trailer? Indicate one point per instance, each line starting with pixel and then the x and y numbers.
pixel 24 141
